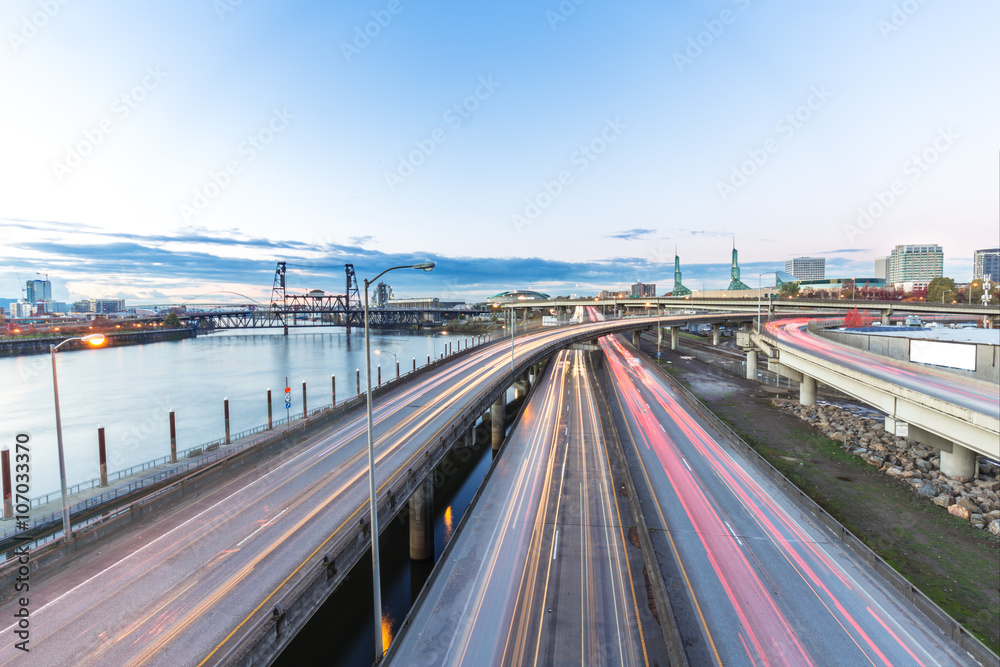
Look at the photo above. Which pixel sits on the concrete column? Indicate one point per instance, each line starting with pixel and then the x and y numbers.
pixel 674 335
pixel 173 438
pixel 959 462
pixel 715 334
pixel 751 364
pixel 807 391
pixel 885 318
pixel 635 338
pixel 379 372
pixel 397 369
pixel 422 520
pixel 414 363
pixel 102 455
pixel 524 318
pixel 497 420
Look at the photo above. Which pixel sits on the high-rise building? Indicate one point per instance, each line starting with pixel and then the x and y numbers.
pixel 640 289
pixel 20 309
pixel 916 264
pixel 38 290
pixel 806 268
pixel 882 267
pixel 986 263
pixel 107 305
pixel 679 289
pixel 736 283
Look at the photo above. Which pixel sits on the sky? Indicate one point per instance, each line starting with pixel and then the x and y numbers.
pixel 172 152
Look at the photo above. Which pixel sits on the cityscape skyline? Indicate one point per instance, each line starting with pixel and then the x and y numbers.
pixel 568 148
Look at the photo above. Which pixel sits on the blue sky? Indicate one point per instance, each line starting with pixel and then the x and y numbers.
pixel 162 152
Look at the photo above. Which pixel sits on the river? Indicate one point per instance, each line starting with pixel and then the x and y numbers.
pixel 130 390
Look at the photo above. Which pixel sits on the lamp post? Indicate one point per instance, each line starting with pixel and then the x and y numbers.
pixel 434 343
pixel 393 357
pixel 95 340
pixel 766 273
pixel 376 579
pixel 945 292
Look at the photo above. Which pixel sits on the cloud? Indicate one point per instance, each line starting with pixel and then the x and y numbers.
pixel 632 234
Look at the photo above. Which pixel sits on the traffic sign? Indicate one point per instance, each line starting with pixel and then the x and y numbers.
pixel 288 404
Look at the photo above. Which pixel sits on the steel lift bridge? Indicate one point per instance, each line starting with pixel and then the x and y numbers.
pixel 314 308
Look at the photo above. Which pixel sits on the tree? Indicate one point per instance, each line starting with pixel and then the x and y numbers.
pixel 853 319
pixel 941 289
pixel 172 321
pixel 789 289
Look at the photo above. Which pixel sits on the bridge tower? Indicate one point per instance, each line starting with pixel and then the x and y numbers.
pixel 278 296
pixel 353 308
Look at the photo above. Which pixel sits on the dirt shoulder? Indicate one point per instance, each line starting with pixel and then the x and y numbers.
pixel 954 564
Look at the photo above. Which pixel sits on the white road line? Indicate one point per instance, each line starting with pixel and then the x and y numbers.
pixel 555 545
pixel 240 543
pixel 686 465
pixel 732 532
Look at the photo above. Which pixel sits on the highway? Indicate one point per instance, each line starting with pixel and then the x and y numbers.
pixel 755 580
pixel 539 574
pixel 940 384
pixel 177 589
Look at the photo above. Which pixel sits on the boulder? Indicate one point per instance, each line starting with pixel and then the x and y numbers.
pixel 944 500
pixel 994 526
pixel 929 490
pixel 959 511
pixel 893 471
pixel 968 505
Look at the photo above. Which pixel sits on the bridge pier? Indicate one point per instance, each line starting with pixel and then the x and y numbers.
pixel 885 318
pixel 497 417
pixel 807 391
pixel 636 335
pixel 715 334
pixel 422 520
pixel 959 462
pixel 751 364
pixel 674 335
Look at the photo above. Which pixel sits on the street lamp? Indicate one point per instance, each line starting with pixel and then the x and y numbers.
pixel 376 579
pixel 766 273
pixel 945 292
pixel 393 358
pixel 95 340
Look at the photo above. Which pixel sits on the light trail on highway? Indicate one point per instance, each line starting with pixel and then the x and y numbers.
pixel 180 587
pixel 766 584
pixel 928 380
pixel 539 573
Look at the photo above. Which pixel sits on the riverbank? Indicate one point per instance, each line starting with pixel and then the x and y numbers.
pixel 955 564
pixel 16 347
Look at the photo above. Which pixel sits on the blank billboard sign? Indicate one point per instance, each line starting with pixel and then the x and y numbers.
pixel 938 353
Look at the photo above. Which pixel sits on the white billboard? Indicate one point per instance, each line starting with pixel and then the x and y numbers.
pixel 550 321
pixel 938 353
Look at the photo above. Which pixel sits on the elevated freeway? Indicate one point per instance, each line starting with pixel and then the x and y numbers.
pixel 957 415
pixel 236 569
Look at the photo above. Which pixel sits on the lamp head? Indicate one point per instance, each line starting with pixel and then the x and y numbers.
pixel 94 339
pixel 424 266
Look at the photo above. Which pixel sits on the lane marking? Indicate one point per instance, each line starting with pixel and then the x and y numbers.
pixel 555 545
pixel 686 463
pixel 732 532
pixel 240 543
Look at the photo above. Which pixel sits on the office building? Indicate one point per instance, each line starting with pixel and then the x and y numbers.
pixel 882 267
pixel 104 306
pixel 916 264
pixel 643 290
pixel 806 268
pixel 38 290
pixel 382 296
pixel 986 263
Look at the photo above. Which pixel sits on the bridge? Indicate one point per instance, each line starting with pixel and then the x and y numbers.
pixel 230 571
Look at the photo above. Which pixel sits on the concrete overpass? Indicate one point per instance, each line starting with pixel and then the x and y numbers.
pixel 957 415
